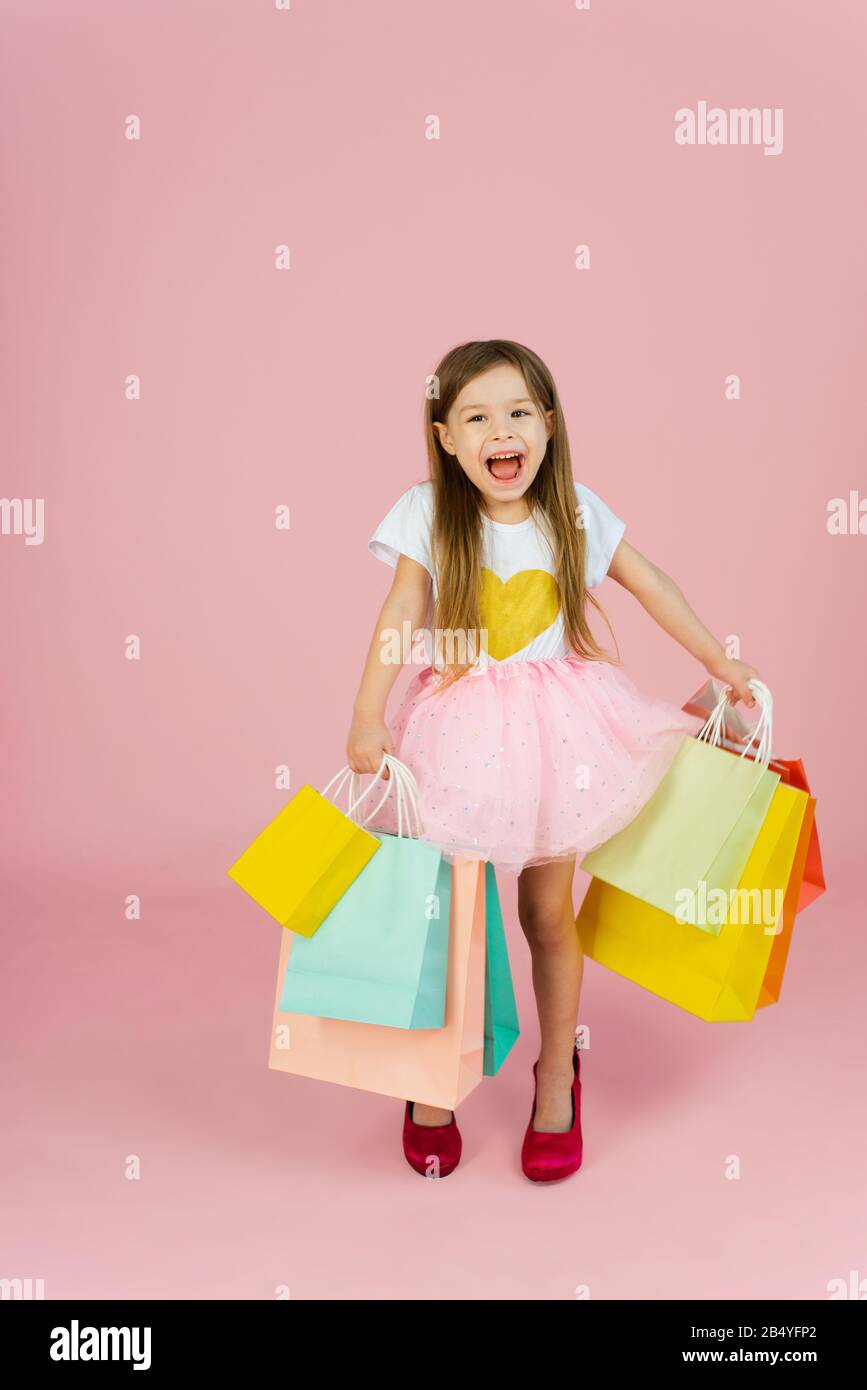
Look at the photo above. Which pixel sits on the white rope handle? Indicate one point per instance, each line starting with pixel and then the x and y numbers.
pixel 355 800
pixel 405 789
pixel 391 783
pixel 408 795
pixel 342 775
pixel 713 729
pixel 346 772
pixel 401 781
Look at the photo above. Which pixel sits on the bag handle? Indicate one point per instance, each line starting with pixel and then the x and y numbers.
pixel 713 729
pixel 401 780
pixel 341 776
pixel 410 791
pixel 405 789
pixel 341 779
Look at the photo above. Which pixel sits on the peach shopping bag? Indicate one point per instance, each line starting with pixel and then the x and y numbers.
pixel 436 1066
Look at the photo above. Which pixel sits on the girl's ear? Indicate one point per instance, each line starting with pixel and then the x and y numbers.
pixel 549 417
pixel 443 436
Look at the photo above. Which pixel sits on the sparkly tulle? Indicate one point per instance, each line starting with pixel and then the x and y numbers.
pixel 532 761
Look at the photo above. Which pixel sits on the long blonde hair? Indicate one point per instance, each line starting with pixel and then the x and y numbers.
pixel 459 506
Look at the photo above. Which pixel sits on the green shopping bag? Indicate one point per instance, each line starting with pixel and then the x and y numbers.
pixel 381 954
pixel 501 1013
pixel 698 829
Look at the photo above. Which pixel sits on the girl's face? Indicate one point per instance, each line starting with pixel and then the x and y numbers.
pixel 492 416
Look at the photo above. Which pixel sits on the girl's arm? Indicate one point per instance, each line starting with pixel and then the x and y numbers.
pixel 663 600
pixel 407 601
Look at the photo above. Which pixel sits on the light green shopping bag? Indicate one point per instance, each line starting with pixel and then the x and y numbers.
pixel 501 1012
pixel 381 954
pixel 698 830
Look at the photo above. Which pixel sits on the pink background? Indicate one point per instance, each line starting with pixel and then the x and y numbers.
pixel 304 388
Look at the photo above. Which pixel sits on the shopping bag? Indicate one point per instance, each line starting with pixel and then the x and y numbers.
pixel 773 977
pixel 698 827
pixel 380 954
pixel 436 1066
pixel 501 1011
pixel 715 977
pixel 792 772
pixel 735 734
pixel 807 880
pixel 304 860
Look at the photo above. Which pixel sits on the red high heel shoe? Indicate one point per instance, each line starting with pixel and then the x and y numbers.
pixel 549 1157
pixel 422 1144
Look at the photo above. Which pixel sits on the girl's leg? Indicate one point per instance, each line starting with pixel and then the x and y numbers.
pixel 430 1114
pixel 548 919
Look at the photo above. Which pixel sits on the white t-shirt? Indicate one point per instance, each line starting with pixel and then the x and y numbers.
pixel 520 600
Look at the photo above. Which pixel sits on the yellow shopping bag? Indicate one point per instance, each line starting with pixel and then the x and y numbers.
pixel 302 863
pixel 700 824
pixel 718 978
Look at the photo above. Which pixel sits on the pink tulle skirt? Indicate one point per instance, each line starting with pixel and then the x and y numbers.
pixel 531 761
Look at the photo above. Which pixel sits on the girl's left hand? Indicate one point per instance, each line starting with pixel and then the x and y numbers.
pixel 736 674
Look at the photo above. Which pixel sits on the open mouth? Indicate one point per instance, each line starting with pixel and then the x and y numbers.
pixel 505 467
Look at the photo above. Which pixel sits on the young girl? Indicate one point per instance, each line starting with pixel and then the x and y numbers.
pixel 529 746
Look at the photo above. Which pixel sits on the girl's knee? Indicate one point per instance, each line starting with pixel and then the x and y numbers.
pixel 545 922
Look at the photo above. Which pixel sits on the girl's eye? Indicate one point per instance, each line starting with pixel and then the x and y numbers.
pixel 519 410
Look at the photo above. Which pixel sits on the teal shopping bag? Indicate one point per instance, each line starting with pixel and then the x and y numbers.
pixel 380 956
pixel 501 1012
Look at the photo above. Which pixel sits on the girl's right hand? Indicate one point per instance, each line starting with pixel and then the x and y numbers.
pixel 368 740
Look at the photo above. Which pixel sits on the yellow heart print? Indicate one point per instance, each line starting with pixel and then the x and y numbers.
pixel 517 611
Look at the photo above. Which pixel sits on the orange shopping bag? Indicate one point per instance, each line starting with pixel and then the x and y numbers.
pixel 435 1066
pixel 773 978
